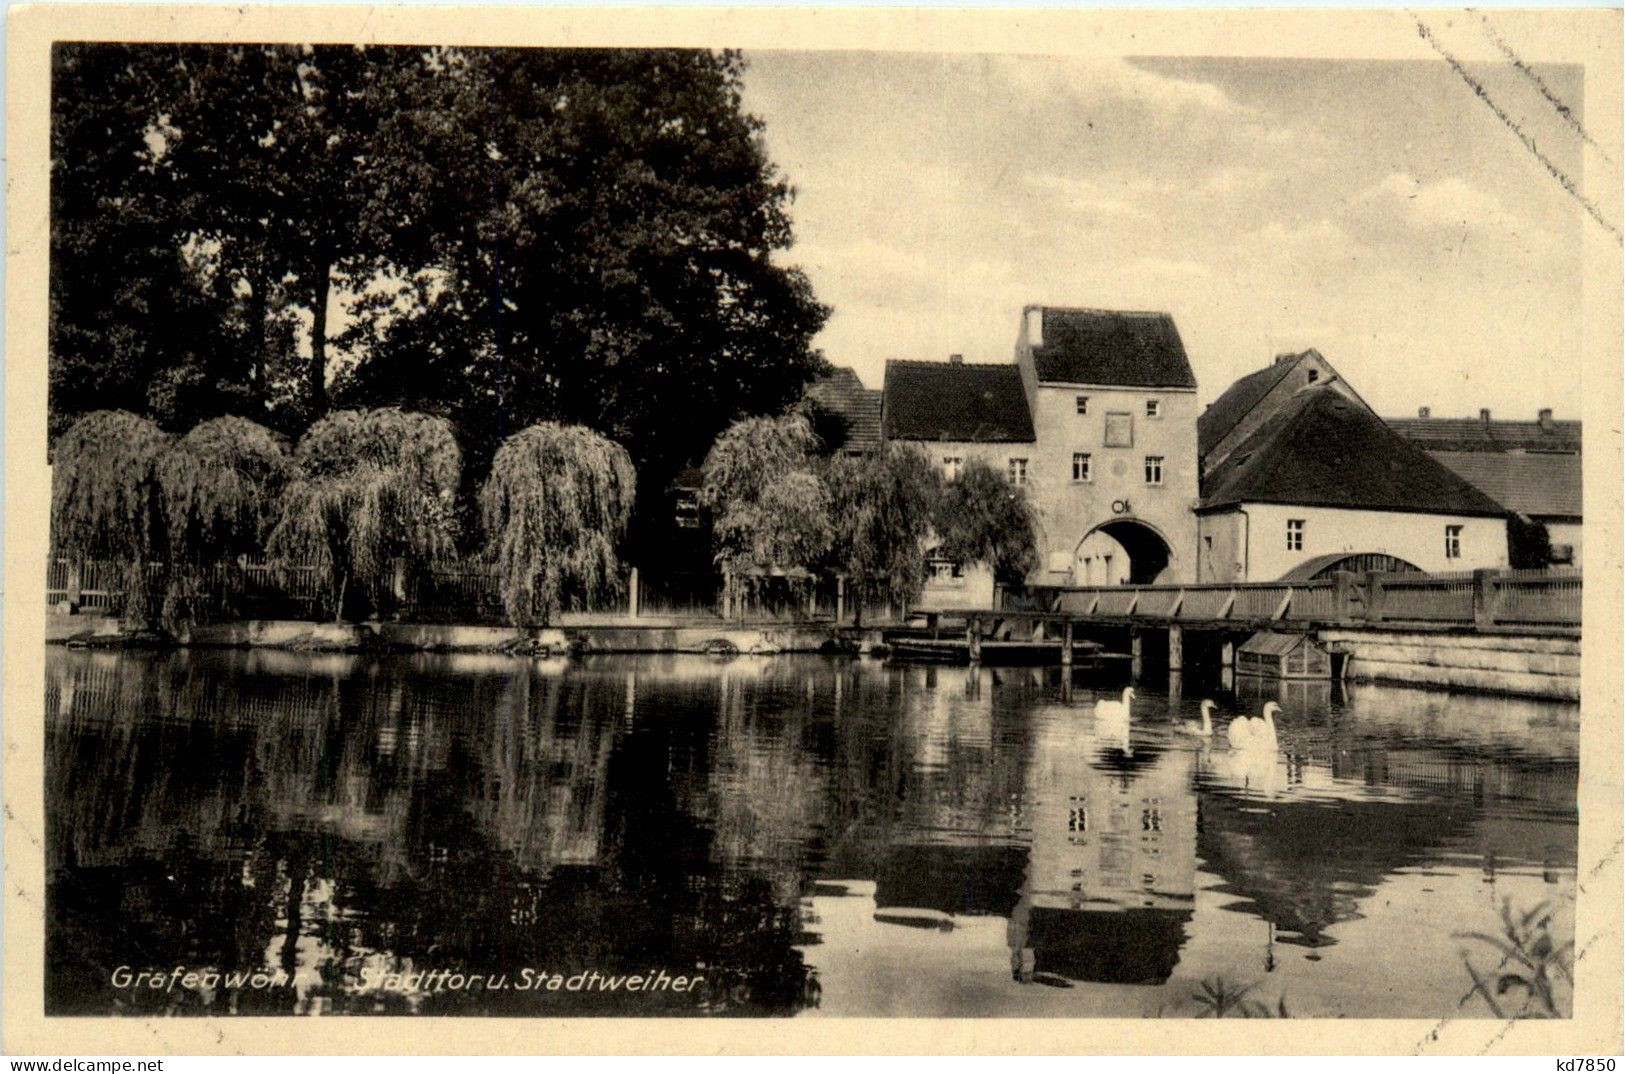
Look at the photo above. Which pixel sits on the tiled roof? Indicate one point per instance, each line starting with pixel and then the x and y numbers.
pixel 950 401
pixel 1321 449
pixel 1535 484
pixel 842 392
pixel 1138 350
pixel 1238 399
pixel 1476 434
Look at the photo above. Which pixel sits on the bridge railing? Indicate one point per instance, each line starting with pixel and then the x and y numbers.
pixel 1479 598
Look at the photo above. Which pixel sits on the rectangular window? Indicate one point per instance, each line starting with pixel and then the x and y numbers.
pixel 1153 469
pixel 1080 466
pixel 945 571
pixel 1452 542
pixel 1294 535
pixel 1314 375
pixel 1083 404
pixel 1119 429
pixel 1153 408
pixel 1018 471
pixel 951 467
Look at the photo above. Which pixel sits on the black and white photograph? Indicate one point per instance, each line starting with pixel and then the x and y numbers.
pixel 997 527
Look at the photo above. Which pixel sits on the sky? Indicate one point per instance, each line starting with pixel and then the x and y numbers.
pixel 1376 211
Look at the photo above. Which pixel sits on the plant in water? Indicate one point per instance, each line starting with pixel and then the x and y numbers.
pixel 107 502
pixel 219 483
pixel 554 509
pixel 1533 966
pixel 1220 997
pixel 372 486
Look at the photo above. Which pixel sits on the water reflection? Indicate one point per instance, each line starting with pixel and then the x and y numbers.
pixel 805 835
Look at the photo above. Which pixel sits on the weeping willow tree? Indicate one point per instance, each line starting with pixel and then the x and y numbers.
pixel 220 483
pixel 983 518
pixel 370 487
pixel 554 510
pixel 107 502
pixel 770 509
pixel 883 505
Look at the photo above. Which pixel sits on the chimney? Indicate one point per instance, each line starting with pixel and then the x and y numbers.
pixel 1546 418
pixel 956 359
pixel 1281 359
pixel 1033 325
pixel 1484 415
pixel 1424 412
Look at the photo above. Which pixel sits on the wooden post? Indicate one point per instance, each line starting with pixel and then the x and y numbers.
pixel 1343 594
pixel 973 638
pixel 632 593
pixel 76 581
pixel 1486 597
pixel 1176 648
pixel 1136 648
pixel 1227 654
pixel 1066 643
pixel 812 599
pixel 1373 596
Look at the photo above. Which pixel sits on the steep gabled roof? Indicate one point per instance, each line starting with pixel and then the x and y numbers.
pixel 842 392
pixel 1136 350
pixel 952 401
pixel 1324 450
pixel 1236 403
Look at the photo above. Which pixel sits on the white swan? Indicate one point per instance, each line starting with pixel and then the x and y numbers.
pixel 1113 709
pixel 1203 729
pixel 1239 731
pixel 1254 732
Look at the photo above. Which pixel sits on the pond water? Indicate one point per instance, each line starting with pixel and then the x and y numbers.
pixel 781 835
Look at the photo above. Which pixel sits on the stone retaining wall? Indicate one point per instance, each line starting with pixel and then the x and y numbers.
pixel 1526 665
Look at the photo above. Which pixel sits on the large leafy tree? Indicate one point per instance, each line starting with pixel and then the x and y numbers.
pixel 555 507
pixel 605 225
pixel 220 483
pixel 882 507
pixel 107 501
pixel 501 236
pixel 982 518
pixel 771 511
pixel 371 487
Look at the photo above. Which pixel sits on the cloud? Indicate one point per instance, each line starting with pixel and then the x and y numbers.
pixel 1444 207
pixel 1114 80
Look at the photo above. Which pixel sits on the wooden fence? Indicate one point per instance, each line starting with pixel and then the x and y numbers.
pixel 453 592
pixel 1484 598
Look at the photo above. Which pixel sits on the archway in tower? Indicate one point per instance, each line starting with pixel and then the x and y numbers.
pixel 1120 552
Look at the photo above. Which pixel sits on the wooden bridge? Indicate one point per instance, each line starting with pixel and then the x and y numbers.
pixel 1528 622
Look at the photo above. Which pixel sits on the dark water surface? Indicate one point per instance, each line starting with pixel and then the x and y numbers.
pixel 788 834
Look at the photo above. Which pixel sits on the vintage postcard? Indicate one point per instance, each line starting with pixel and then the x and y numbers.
pixel 812 531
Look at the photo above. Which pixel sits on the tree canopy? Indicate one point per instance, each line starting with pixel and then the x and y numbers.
pixel 771 511
pixel 107 501
pixel 882 506
pixel 220 484
pixel 554 508
pixel 371 487
pixel 499 236
pixel 982 518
